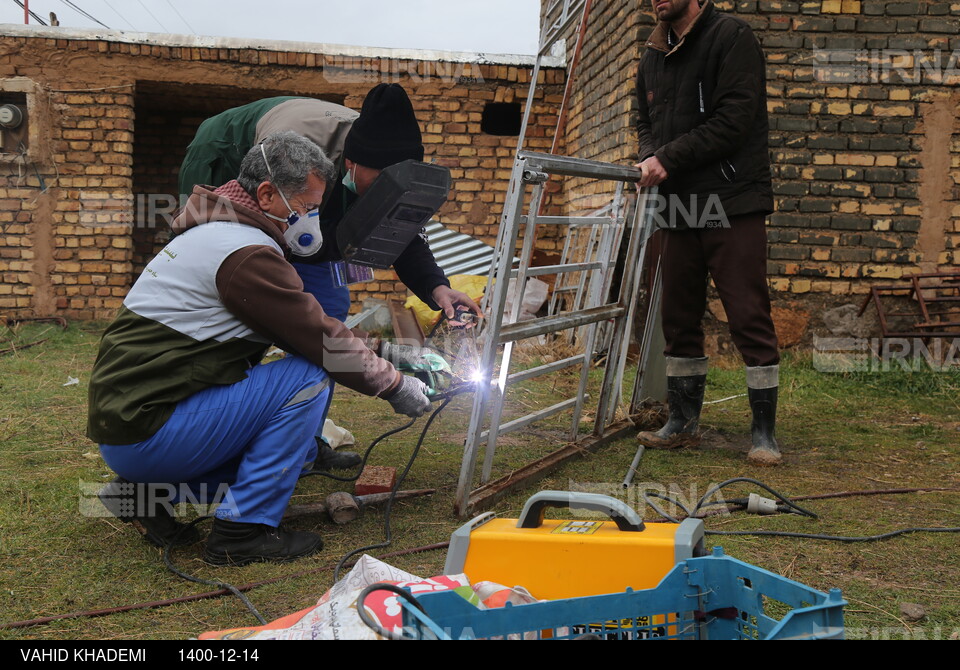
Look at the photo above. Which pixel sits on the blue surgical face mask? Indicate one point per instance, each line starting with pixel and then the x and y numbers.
pixel 349 183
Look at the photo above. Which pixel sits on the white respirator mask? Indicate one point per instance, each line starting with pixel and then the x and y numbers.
pixel 302 235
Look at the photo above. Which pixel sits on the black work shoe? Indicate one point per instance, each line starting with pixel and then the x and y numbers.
pixel 330 459
pixel 234 543
pixel 685 400
pixel 131 503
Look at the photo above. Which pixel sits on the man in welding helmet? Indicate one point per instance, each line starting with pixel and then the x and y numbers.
pixel 179 401
pixel 384 133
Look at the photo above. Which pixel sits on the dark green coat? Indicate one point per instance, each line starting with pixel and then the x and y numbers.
pixel 214 155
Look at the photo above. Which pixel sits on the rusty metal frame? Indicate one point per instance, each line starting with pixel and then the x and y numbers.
pixel 932 305
pixel 487 494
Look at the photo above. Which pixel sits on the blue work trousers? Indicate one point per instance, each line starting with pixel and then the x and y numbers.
pixel 318 281
pixel 254 436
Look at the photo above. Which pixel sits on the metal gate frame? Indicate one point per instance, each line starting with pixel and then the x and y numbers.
pixel 534 169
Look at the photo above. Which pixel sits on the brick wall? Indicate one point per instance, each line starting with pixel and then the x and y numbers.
pixel 601 120
pixel 865 137
pixel 110 121
pixel 66 252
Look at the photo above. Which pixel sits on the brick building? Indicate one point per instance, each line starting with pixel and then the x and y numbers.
pixel 864 131
pixel 108 116
pixel 863 99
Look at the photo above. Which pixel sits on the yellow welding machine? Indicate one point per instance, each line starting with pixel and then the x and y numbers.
pixel 567 559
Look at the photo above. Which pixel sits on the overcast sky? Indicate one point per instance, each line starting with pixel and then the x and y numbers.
pixel 490 26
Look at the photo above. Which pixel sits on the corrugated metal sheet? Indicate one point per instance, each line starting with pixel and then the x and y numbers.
pixel 457 253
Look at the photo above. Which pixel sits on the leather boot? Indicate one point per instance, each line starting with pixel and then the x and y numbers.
pixel 329 458
pixel 762 390
pixel 131 503
pixel 235 543
pixel 686 379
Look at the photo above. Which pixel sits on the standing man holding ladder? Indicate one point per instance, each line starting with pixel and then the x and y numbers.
pixel 701 89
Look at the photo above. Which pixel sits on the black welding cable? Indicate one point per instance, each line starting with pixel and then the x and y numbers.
pixel 776 533
pixel 190 578
pixel 835 538
pixel 374 625
pixel 388 535
pixel 366 455
pixel 747 480
pixel 656 508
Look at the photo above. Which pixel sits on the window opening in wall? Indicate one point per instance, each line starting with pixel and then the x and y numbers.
pixel 501 118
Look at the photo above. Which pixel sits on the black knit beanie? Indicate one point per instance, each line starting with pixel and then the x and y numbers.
pixel 386 132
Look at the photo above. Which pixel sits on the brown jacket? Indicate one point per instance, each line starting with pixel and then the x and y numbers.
pixel 262 289
pixel 205 310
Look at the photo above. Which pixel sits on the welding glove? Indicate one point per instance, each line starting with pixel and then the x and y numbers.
pixel 410 398
pixel 408 358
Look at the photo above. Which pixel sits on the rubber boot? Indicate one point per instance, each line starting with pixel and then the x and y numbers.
pixel 131 503
pixel 329 458
pixel 686 379
pixel 235 543
pixel 762 390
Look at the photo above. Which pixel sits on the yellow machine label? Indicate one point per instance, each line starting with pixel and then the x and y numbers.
pixel 578 527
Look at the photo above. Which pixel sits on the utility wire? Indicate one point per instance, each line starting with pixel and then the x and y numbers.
pixel 165 29
pixel 174 8
pixel 125 20
pixel 32 13
pixel 72 5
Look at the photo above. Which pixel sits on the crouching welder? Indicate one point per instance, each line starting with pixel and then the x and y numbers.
pixel 361 146
pixel 177 394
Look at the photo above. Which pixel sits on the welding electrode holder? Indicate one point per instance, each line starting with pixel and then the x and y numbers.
pixel 435 374
pixel 464 317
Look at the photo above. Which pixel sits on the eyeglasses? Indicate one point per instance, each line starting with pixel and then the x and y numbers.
pixel 303 208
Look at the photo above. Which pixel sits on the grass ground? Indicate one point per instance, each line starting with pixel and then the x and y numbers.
pixel 839 432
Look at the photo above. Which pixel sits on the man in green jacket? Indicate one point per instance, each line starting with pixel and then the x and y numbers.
pixel 385 132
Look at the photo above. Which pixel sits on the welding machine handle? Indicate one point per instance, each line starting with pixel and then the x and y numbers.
pixel 625 516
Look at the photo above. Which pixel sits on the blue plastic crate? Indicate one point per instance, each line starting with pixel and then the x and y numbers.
pixel 710 598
